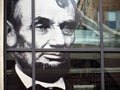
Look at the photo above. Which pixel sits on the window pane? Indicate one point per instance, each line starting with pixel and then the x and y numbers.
pixel 112 71
pixel 18 70
pixel 87 34
pixel 111 23
pixel 85 71
pixel 18 24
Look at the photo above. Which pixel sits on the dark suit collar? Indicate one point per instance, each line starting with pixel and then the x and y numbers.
pixel 27 81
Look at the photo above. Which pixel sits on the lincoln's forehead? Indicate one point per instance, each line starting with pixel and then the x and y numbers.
pixel 43 4
pixel 54 3
pixel 61 3
pixel 58 10
pixel 46 8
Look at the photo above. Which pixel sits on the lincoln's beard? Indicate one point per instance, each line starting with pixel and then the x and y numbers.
pixel 46 72
pixel 51 74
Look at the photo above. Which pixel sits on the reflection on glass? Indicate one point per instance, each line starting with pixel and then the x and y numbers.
pixel 87 34
pixel 112 71
pixel 85 71
pixel 111 25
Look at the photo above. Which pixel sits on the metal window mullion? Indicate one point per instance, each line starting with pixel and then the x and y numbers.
pixel 5 43
pixel 72 49
pixel 18 50
pixel 111 49
pixel 57 49
pixel 33 43
pixel 101 46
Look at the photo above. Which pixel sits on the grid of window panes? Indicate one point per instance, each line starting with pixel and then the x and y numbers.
pixel 95 53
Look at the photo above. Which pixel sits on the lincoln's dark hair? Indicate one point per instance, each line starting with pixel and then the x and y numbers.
pixel 15 21
pixel 10 6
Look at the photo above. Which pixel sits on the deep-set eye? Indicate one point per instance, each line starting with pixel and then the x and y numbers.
pixel 41 30
pixel 41 22
pixel 44 26
pixel 62 25
pixel 68 25
pixel 68 32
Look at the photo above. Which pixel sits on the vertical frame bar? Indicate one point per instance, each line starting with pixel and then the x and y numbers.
pixel 101 46
pixel 5 40
pixel 33 43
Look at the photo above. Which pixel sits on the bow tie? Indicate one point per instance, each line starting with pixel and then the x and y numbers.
pixel 38 87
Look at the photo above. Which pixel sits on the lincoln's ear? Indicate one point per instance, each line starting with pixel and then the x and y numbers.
pixel 11 35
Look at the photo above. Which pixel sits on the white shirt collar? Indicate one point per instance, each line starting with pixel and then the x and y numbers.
pixel 27 81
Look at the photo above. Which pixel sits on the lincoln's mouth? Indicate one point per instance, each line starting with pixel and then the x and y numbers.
pixel 52 59
pixel 53 56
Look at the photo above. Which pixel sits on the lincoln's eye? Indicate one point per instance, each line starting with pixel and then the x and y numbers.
pixel 42 26
pixel 41 22
pixel 43 29
pixel 68 25
pixel 62 25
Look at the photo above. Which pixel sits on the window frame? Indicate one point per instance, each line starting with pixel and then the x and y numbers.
pixel 100 49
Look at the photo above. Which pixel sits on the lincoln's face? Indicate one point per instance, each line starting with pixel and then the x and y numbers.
pixel 54 28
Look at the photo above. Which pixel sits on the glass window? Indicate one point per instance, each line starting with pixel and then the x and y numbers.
pixel 85 71
pixel 111 23
pixel 112 71
pixel 88 33
pixel 61 44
